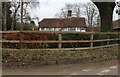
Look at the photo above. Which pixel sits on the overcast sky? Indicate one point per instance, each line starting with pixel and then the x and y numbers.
pixel 48 8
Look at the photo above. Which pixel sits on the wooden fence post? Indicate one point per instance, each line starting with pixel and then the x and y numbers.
pixel 91 38
pixel 108 37
pixel 60 38
pixel 21 26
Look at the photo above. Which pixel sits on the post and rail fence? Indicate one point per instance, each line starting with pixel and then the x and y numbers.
pixel 57 39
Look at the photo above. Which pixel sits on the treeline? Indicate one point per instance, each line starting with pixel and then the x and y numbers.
pixel 11 15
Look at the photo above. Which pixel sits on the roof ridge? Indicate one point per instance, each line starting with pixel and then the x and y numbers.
pixel 53 18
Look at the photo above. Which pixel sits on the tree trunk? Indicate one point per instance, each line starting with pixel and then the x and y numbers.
pixel 8 16
pixel 21 28
pixel 3 16
pixel 14 21
pixel 106 13
pixel 0 15
pixel 15 17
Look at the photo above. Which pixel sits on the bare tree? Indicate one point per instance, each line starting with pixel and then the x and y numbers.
pixel 16 7
pixel 88 10
pixel 92 14
pixel 75 8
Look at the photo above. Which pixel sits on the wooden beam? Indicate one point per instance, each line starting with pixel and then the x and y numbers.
pixel 57 41
pixel 106 40
pixel 9 41
pixel 46 41
pixel 62 32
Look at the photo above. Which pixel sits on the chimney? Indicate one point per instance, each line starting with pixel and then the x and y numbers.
pixel 69 13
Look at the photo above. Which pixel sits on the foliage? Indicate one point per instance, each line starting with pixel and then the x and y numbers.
pixel 26 36
pixel 11 13
pixel 26 26
pixel 35 37
pixel 44 36
pixel 75 37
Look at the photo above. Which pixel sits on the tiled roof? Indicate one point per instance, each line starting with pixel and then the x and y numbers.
pixel 95 29
pixel 58 22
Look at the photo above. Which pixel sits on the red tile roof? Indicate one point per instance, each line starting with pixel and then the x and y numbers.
pixel 95 29
pixel 68 22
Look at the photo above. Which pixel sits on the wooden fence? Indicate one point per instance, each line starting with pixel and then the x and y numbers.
pixel 59 37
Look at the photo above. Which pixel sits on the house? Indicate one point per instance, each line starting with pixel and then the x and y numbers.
pixel 66 24
pixel 63 24
pixel 116 25
pixel 59 24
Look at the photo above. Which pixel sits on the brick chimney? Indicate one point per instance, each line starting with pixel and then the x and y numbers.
pixel 69 15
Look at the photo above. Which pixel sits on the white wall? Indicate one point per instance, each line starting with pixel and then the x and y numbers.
pixel 78 29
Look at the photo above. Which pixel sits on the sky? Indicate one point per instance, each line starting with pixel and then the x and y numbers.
pixel 48 8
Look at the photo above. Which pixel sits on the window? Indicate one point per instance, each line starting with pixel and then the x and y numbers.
pixel 72 29
pixel 65 29
pixel 50 29
pixel 77 28
pixel 83 29
pixel 42 29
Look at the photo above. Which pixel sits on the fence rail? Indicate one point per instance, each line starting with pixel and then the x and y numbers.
pixel 57 41
pixel 110 36
pixel 58 32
